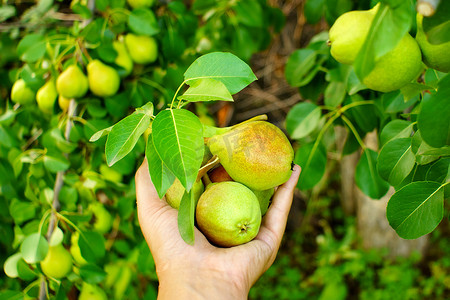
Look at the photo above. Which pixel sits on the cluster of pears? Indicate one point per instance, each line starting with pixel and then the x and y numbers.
pixel 101 79
pixel 255 157
pixel 396 68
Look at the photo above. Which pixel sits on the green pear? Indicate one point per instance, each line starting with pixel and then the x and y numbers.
pixel 46 96
pixel 123 58
pixel 110 173
pixel 72 83
pixel 143 49
pixel 92 292
pixel 228 214
pixel 104 81
pixel 21 93
pixel 348 33
pixel 140 3
pixel 176 191
pixel 103 219
pixel 264 199
pixel 396 68
pixel 75 249
pixel 257 154
pixel 434 56
pixel 57 263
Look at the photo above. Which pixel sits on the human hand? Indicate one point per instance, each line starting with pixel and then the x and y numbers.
pixel 202 270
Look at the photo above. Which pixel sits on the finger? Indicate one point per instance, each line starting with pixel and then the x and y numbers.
pixel 274 222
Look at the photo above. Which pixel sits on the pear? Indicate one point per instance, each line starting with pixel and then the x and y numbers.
pixel 75 249
pixel 143 49
pixel 104 81
pixel 264 199
pixel 102 218
pixel 92 292
pixel 21 93
pixel 57 263
pixel 140 3
pixel 63 103
pixel 434 56
pixel 257 154
pixel 176 191
pixel 348 33
pixel 393 70
pixel 219 174
pixel 72 83
pixel 123 58
pixel 228 214
pixel 46 96
pixel 396 68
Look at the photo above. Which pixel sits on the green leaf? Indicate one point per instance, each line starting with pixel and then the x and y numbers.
pixel 34 248
pixel 314 10
pixel 424 153
pixel 301 67
pixel 143 21
pixel 162 177
pixel 396 160
pixel 416 209
pixel 312 158
pixel 302 119
pixel 394 102
pixel 388 27
pixel 222 66
pixel 434 120
pixel 178 139
pixel 439 171
pixel 249 12
pixel 186 217
pixel 394 130
pixel 124 136
pixel 6 12
pixel 56 164
pixel 10 266
pixel 92 274
pixel 31 48
pixel 367 178
pixel 21 211
pixel 438 25
pixel 335 93
pixel 364 116
pixel 101 133
pixel 206 90
pixel 92 245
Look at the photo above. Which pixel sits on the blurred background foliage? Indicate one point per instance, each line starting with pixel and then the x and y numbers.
pixel 322 255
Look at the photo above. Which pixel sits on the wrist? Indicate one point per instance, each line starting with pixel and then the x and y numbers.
pixel 185 284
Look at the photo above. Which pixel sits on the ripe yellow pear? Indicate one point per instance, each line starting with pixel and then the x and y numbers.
pixel 143 49
pixel 396 68
pixel 46 96
pixel 176 191
pixel 104 81
pixel 257 154
pixel 228 214
pixel 123 58
pixel 92 292
pixel 21 93
pixel 434 56
pixel 140 3
pixel 348 33
pixel 72 83
pixel 57 263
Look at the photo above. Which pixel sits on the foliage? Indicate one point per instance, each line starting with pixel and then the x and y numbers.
pixel 411 123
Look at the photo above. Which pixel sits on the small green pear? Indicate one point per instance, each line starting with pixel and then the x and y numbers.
pixel 72 83
pixel 264 199
pixel 396 68
pixel 257 154
pixel 143 49
pixel 348 33
pixel 434 56
pixel 228 214
pixel 92 292
pixel 176 191
pixel 140 3
pixel 75 249
pixel 46 96
pixel 104 81
pixel 21 93
pixel 103 219
pixel 123 58
pixel 57 263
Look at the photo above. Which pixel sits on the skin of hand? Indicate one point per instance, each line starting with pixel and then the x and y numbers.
pixel 204 271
